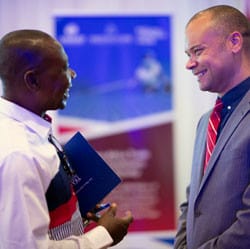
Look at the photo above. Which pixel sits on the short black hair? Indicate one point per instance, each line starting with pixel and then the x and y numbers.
pixel 20 50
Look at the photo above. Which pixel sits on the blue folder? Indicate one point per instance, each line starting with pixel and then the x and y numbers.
pixel 95 178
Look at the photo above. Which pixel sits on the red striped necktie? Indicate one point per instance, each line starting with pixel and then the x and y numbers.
pixel 213 124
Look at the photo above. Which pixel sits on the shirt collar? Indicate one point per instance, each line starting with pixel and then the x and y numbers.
pixel 236 94
pixel 30 119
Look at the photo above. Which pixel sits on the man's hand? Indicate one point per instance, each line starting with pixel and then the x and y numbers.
pixel 116 226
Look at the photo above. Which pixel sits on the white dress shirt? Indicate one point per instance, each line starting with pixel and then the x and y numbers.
pixel 28 163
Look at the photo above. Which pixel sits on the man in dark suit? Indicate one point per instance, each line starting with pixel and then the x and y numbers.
pixel 217 211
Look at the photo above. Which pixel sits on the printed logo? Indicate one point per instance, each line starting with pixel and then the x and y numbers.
pixel 71 35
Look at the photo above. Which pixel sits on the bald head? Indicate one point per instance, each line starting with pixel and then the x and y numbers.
pixel 22 50
pixel 34 70
pixel 217 44
pixel 225 19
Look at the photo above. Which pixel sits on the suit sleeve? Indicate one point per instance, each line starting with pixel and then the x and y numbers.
pixel 180 238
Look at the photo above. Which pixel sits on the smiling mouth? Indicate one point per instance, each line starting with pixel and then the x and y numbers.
pixel 200 74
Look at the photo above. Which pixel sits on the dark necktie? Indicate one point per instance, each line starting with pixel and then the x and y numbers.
pixel 213 124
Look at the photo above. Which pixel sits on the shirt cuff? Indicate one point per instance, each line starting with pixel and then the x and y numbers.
pixel 99 237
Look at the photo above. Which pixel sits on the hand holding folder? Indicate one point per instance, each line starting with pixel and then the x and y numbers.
pixel 94 177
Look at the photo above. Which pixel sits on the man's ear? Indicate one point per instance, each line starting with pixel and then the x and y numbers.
pixel 236 41
pixel 31 81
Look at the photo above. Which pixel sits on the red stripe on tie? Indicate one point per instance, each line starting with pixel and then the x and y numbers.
pixel 213 124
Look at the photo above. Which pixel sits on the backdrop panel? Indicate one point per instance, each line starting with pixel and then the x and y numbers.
pixel 121 101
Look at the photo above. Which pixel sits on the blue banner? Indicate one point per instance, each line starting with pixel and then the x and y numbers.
pixel 123 65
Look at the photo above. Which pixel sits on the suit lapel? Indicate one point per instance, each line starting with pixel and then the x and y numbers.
pixel 198 156
pixel 239 113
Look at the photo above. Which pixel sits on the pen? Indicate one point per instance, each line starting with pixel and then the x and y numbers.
pixel 96 211
pixel 101 207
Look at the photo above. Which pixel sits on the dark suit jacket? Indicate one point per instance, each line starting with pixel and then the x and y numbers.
pixel 217 211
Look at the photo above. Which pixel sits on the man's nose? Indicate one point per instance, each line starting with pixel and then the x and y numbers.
pixel 191 63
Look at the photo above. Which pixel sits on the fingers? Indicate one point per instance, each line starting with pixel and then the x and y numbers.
pixel 128 217
pixel 116 226
pixel 92 216
pixel 108 217
pixel 94 213
pixel 113 209
pixel 100 207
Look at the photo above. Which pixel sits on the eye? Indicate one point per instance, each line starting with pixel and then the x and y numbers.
pixel 188 54
pixel 65 68
pixel 198 51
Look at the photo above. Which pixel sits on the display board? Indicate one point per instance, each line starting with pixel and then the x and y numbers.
pixel 121 101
